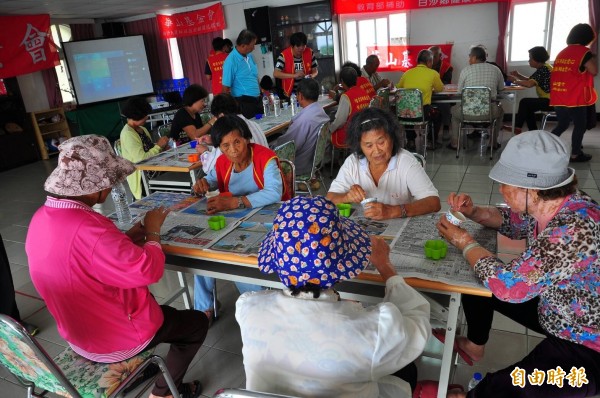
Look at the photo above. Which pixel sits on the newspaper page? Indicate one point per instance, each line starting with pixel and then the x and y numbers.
pixel 244 239
pixel 174 158
pixel 407 253
pixel 174 201
pixel 387 229
pixel 185 230
pixel 198 208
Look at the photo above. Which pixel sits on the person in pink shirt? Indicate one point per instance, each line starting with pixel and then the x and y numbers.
pixel 94 278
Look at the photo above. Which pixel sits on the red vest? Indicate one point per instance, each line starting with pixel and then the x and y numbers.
pixel 366 85
pixel 215 63
pixel 260 157
pixel 359 99
pixel 288 67
pixel 444 66
pixel 568 85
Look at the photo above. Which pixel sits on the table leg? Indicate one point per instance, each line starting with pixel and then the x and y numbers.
pixel 448 356
pixel 145 183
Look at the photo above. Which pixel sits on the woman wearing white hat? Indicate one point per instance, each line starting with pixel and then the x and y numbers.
pixel 553 287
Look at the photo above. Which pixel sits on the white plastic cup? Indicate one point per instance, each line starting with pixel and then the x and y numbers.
pixel 365 203
pixel 455 217
pixel 210 194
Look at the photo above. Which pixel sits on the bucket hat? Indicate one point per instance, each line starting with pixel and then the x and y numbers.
pixel 87 164
pixel 536 159
pixel 311 243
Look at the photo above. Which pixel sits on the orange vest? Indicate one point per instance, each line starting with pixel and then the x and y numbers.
pixel 260 157
pixel 215 63
pixel 359 99
pixel 366 85
pixel 288 67
pixel 568 85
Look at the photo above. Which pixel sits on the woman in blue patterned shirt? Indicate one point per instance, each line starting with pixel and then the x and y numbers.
pixel 553 287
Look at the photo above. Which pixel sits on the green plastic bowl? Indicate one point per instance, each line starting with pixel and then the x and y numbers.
pixel 436 249
pixel 216 222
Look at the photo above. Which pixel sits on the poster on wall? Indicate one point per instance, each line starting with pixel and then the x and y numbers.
pixel 404 57
pixel 209 19
pixel 26 45
pixel 366 6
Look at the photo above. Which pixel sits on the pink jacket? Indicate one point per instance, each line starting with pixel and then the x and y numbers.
pixel 94 279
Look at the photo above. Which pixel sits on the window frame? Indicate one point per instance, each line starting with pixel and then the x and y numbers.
pixel 344 19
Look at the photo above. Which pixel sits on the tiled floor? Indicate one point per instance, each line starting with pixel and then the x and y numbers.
pixel 219 363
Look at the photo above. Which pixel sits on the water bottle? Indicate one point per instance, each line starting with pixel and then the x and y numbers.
pixel 474 381
pixel 276 105
pixel 294 102
pixel 324 92
pixel 485 138
pixel 266 106
pixel 119 196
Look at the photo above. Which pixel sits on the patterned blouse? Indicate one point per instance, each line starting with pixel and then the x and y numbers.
pixel 542 79
pixel 560 266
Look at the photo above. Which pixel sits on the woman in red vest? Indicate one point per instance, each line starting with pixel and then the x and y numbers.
pixel 295 63
pixel 247 176
pixel 572 87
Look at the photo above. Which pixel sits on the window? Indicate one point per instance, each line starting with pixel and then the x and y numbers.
pixel 60 34
pixel 537 24
pixel 362 34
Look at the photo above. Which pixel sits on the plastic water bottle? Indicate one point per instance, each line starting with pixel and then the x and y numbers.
pixel 474 381
pixel 485 138
pixel 324 92
pixel 266 106
pixel 276 105
pixel 119 196
pixel 294 102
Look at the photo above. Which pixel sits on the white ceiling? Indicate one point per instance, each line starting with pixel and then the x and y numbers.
pixel 93 9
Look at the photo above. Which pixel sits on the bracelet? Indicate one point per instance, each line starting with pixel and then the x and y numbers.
pixel 469 247
pixel 157 234
pixel 402 211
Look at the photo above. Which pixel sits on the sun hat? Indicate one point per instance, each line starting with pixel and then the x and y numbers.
pixel 311 243
pixel 536 159
pixel 87 164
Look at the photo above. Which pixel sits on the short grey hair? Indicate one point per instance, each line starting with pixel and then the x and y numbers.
pixel 424 57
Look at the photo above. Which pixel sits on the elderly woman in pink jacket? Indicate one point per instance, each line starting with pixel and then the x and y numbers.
pixel 94 278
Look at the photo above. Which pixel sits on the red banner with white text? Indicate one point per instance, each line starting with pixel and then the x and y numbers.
pixel 209 19
pixel 362 6
pixel 26 45
pixel 401 58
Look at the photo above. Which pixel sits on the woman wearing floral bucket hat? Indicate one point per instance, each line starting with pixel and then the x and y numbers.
pixel 552 287
pixel 304 340
pixel 94 278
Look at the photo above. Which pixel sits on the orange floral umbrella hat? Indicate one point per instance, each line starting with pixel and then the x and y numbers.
pixel 311 243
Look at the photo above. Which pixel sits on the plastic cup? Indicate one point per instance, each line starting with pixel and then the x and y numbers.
pixel 193 157
pixel 210 194
pixel 193 144
pixel 344 209
pixel 216 222
pixel 365 203
pixel 455 217
pixel 435 249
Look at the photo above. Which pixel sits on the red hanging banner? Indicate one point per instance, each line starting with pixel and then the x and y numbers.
pixel 362 6
pixel 26 45
pixel 401 58
pixel 209 19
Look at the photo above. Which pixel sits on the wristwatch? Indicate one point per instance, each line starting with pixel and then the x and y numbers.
pixel 241 204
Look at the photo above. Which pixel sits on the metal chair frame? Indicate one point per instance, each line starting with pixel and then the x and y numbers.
pixel 417 120
pixel 16 329
pixel 323 137
pixel 479 121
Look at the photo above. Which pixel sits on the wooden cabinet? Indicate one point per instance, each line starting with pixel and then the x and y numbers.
pixel 48 125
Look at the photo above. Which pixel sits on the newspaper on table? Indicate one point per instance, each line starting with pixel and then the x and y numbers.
pixel 244 239
pixel 177 157
pixel 408 256
pixel 172 200
pixel 387 229
pixel 198 208
pixel 180 229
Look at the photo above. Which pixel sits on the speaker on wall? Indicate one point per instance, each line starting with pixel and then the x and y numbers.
pixel 257 20
pixel 113 29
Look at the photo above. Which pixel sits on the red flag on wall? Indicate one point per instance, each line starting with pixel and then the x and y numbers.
pixel 402 58
pixel 26 45
pixel 209 19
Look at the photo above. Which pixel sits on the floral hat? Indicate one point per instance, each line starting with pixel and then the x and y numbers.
pixel 87 164
pixel 311 243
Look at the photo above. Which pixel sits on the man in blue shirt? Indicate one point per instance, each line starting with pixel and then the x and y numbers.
pixel 240 75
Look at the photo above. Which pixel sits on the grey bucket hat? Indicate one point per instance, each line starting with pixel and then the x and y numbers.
pixel 535 159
